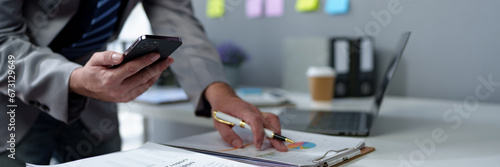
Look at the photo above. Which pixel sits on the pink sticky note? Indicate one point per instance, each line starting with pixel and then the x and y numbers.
pixel 254 8
pixel 274 8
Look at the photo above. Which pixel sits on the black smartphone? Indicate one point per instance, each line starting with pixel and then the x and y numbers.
pixel 165 45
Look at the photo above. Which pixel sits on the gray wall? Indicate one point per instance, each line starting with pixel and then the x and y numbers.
pixel 453 43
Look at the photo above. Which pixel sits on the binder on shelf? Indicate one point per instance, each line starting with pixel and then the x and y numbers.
pixel 309 149
pixel 340 61
pixel 366 75
pixel 353 61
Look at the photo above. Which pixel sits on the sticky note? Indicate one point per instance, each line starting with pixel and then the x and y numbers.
pixel 306 5
pixel 254 8
pixel 274 8
pixel 215 8
pixel 335 7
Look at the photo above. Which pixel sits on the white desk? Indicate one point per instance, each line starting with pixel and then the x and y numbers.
pixel 402 124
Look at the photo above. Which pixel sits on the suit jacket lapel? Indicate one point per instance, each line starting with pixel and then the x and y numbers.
pixel 46 20
pixel 129 5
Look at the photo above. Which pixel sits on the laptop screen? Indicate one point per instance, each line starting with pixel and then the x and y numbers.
pixel 387 76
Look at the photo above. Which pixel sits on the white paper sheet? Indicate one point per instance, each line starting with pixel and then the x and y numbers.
pixel 158 95
pixel 152 155
pixel 314 146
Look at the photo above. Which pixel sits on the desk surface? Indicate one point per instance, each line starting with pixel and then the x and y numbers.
pixel 426 132
pixel 407 132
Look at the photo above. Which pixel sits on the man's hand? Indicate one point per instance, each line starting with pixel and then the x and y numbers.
pixel 222 98
pixel 123 84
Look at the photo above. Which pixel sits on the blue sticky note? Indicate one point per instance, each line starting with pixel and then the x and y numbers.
pixel 335 7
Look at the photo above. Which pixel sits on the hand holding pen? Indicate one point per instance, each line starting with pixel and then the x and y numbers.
pixel 230 120
pixel 221 97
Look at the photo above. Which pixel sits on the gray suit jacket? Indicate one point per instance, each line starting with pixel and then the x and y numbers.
pixel 41 76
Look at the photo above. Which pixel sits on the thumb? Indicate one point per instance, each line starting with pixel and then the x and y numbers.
pixel 106 58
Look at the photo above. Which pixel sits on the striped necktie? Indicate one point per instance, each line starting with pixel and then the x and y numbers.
pixel 100 29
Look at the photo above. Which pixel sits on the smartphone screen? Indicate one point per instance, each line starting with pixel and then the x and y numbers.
pixel 165 45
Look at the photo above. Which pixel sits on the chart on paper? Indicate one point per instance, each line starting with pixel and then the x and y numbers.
pixel 301 145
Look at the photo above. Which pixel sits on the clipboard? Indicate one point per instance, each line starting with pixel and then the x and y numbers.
pixel 335 150
pixel 363 151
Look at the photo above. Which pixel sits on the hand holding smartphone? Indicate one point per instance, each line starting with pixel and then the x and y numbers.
pixel 165 45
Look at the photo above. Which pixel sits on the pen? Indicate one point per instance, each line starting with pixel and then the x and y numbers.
pixel 230 120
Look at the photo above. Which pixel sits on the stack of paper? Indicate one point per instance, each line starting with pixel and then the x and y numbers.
pixel 151 155
pixel 308 150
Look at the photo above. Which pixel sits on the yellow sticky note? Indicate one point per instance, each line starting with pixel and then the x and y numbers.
pixel 306 5
pixel 215 8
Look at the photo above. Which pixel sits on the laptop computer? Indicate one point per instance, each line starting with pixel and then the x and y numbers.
pixel 351 123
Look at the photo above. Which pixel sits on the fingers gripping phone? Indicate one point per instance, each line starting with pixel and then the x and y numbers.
pixel 145 44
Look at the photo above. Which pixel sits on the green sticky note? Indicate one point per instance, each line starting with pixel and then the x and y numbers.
pixel 306 5
pixel 215 8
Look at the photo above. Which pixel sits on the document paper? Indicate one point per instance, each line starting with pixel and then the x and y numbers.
pixel 163 95
pixel 307 146
pixel 152 155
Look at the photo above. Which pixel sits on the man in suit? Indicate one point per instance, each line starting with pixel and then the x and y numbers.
pixel 65 93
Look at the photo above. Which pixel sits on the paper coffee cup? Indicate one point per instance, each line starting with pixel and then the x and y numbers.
pixel 321 82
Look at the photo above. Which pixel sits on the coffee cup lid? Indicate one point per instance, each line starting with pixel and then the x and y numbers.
pixel 320 71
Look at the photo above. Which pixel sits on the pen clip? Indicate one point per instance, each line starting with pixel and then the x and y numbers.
pixel 214 113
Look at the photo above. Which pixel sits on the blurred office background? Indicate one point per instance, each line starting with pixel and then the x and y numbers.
pixel 453 42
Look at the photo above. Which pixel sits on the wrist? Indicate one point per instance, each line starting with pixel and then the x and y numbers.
pixel 218 93
pixel 74 86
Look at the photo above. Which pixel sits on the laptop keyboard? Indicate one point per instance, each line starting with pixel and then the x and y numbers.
pixel 334 120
